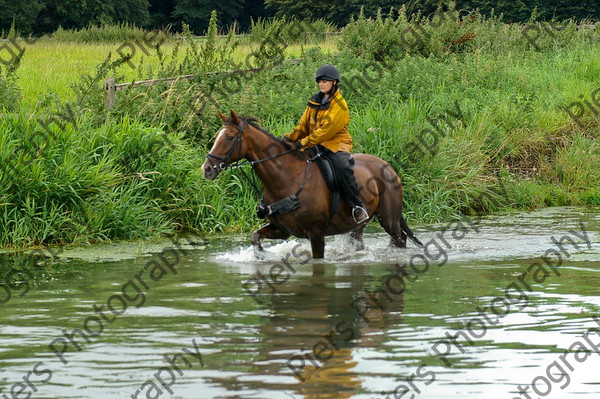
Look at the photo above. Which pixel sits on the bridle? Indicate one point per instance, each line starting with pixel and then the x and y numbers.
pixel 223 162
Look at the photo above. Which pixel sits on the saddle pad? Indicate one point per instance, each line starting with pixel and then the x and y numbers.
pixel 325 166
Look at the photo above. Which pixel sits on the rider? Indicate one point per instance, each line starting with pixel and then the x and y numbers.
pixel 325 123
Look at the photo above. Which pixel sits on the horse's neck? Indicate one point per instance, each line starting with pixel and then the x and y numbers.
pixel 278 175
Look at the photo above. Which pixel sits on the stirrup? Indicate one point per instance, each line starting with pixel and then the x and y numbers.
pixel 364 214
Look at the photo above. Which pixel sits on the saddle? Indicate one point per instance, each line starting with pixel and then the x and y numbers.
pixel 326 167
pixel 329 174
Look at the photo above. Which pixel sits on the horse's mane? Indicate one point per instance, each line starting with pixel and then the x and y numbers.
pixel 253 121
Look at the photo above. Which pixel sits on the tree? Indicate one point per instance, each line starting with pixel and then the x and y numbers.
pixel 196 13
pixel 136 12
pixel 72 14
pixel 161 12
pixel 253 9
pixel 22 12
pixel 337 11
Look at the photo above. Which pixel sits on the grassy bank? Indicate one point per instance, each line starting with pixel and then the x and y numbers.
pixel 502 132
pixel 122 180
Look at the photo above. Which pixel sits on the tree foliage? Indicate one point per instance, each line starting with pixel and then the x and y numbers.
pixel 340 11
pixel 21 12
pixel 45 16
pixel 196 13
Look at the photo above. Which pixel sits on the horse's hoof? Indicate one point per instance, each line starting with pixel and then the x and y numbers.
pixel 259 252
pixel 255 239
pixel 359 246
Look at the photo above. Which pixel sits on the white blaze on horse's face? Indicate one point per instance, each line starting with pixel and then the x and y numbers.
pixel 223 143
pixel 220 135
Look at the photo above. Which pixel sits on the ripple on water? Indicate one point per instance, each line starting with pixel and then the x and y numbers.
pixel 246 346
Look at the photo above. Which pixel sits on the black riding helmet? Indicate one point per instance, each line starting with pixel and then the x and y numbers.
pixel 327 72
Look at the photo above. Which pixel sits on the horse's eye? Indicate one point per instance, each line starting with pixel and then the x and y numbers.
pixel 230 138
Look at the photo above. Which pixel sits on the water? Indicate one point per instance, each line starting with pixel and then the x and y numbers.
pixel 369 347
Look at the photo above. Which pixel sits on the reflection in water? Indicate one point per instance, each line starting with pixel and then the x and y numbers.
pixel 312 331
pixel 322 333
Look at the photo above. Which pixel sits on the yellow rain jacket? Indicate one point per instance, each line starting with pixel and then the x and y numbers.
pixel 325 124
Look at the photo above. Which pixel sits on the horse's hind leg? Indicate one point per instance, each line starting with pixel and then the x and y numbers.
pixel 267 231
pixel 358 236
pixel 391 224
pixel 389 215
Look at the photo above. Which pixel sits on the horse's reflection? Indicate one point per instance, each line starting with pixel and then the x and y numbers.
pixel 313 330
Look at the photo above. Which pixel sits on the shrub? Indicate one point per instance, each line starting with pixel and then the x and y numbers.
pixel 107 33
pixel 449 31
pixel 289 30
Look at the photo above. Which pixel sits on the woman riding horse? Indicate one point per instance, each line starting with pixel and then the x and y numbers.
pixel 325 124
pixel 296 196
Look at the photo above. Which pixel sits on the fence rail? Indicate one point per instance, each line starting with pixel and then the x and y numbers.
pixel 111 87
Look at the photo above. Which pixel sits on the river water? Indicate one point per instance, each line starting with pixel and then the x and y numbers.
pixel 475 316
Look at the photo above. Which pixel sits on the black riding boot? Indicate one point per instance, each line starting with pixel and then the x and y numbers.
pixel 343 165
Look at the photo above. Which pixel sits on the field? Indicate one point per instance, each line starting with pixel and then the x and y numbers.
pixel 475 115
pixel 52 65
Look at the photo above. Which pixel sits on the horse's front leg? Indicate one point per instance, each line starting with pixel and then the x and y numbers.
pixel 267 231
pixel 317 244
pixel 358 237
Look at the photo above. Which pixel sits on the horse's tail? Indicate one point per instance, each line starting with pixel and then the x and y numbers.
pixel 409 232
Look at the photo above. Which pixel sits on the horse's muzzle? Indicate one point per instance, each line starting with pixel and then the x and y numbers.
pixel 210 172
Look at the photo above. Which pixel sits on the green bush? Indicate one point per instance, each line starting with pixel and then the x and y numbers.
pixel 113 33
pixel 10 95
pixel 287 31
pixel 449 31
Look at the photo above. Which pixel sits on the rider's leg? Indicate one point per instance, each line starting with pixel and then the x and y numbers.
pixel 342 162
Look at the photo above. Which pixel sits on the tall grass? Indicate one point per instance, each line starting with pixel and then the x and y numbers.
pixel 290 30
pixel 110 183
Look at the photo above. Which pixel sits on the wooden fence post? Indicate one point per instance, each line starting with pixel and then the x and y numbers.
pixel 109 93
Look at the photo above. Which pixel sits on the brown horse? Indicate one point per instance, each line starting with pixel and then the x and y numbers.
pixel 284 171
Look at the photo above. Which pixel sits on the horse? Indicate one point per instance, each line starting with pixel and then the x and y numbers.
pixel 286 172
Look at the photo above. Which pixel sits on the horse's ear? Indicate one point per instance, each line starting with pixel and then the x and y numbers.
pixel 234 118
pixel 223 116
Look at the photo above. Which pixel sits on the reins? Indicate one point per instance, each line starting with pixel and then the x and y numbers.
pixel 224 161
pixel 251 163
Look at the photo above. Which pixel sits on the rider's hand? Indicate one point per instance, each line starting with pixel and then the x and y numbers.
pixel 298 145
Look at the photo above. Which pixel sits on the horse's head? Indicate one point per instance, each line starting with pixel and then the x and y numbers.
pixel 229 146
